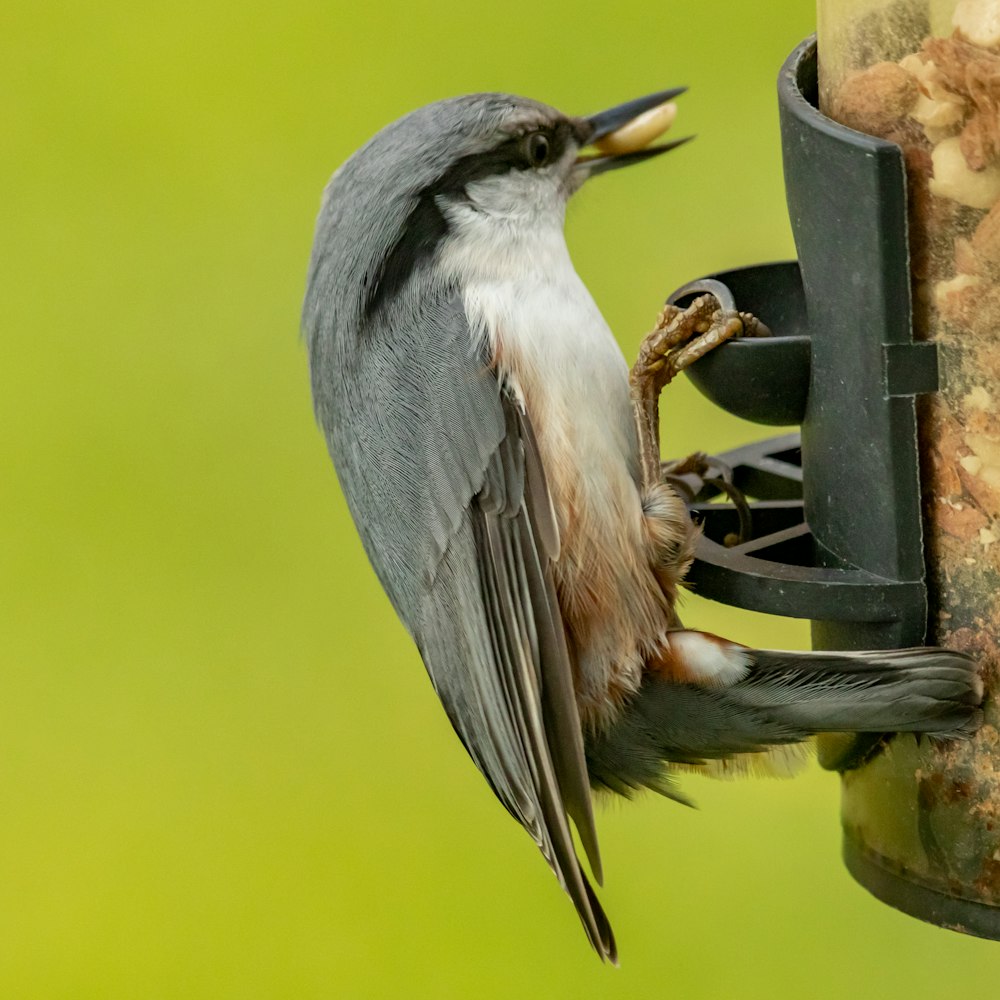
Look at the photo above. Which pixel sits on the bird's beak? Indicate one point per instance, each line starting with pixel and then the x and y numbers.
pixel 622 134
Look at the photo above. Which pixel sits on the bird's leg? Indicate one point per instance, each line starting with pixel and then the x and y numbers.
pixel 680 337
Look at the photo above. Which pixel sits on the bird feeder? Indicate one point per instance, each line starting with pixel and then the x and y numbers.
pixel 880 522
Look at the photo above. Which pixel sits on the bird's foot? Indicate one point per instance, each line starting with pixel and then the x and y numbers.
pixel 707 469
pixel 680 337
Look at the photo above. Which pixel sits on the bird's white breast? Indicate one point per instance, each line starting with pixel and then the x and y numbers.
pixel 548 339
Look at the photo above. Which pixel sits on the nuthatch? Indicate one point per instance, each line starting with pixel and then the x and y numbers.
pixel 504 476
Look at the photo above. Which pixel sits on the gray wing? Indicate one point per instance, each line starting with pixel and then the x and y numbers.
pixel 442 473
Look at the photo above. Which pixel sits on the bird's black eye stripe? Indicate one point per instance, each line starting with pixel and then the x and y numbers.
pixel 426 227
pixel 525 152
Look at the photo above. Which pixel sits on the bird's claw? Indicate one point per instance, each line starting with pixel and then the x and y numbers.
pixel 711 471
pixel 680 337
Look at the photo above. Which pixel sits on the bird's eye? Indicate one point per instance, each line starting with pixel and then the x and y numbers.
pixel 537 147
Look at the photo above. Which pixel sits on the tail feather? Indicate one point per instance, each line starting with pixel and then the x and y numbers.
pixel 784 697
pixel 924 690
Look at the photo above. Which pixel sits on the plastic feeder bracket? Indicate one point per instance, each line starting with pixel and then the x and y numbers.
pixel 838 526
pixel 837 513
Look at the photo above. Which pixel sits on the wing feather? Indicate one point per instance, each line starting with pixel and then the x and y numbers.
pixel 443 475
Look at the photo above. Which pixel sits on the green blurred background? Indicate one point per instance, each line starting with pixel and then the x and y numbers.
pixel 223 772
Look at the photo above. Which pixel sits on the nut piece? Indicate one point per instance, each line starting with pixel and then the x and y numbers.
pixel 971 75
pixel 960 521
pixel 985 242
pixel 938 114
pixel 938 82
pixel 938 108
pixel 979 21
pixel 981 136
pixel 966 259
pixel 640 132
pixel 944 290
pixel 956 300
pixel 874 99
pixel 953 178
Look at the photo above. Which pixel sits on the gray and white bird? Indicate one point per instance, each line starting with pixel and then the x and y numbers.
pixel 478 412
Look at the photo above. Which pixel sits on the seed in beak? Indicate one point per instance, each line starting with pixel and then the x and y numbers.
pixel 639 132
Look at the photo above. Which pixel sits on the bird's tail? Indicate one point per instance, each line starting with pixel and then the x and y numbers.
pixel 781 698
pixel 924 690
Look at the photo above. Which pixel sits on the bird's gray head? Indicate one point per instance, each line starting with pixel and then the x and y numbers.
pixel 493 167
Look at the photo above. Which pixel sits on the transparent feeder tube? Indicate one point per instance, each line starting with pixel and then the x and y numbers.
pixel 922 821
